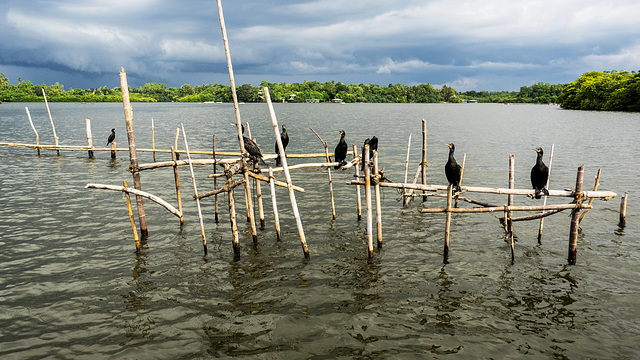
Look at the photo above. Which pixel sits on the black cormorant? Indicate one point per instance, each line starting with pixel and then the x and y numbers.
pixel 112 137
pixel 285 141
pixel 452 169
pixel 340 151
pixel 539 175
pixel 367 141
pixel 252 148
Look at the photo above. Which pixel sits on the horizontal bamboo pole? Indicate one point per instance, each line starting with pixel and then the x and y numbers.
pixel 275 182
pixel 509 208
pixel 226 188
pixel 300 166
pixel 604 195
pixel 185 162
pixel 151 197
pixel 536 216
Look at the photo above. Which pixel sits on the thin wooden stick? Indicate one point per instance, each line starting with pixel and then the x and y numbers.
pixel 423 164
pixel 464 160
pixel 447 224
pixel 153 140
pixel 34 129
pixel 137 192
pixel 287 175
pixel 177 181
pixel 623 210
pixel 234 220
pixel 89 137
pixel 411 190
pixel 509 208
pixel 133 156
pixel 326 151
pixel 544 202
pixel 367 196
pixel 512 182
pixel 595 187
pixel 175 145
pixel 276 217
pixel 573 233
pixel 260 207
pixel 278 183
pixel 357 172
pixel 195 190
pixel 513 247
pixel 215 179
pixel 133 223
pixel 406 169
pixel 55 137
pixel 378 200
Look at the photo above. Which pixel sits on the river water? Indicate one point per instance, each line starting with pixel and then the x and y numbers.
pixel 72 286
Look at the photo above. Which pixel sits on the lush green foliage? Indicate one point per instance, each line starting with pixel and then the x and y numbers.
pixel 540 93
pixel 608 90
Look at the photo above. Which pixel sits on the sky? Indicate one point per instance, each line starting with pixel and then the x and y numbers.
pixel 489 45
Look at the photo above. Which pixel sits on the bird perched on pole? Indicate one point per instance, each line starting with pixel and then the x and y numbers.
pixel 539 175
pixel 252 149
pixel 452 169
pixel 112 137
pixel 340 152
pixel 284 137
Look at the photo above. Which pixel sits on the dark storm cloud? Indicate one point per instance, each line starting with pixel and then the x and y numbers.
pixel 489 45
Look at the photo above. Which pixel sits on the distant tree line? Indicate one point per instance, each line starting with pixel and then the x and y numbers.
pixel 609 90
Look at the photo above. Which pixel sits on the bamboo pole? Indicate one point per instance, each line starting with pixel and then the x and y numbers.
pixel 133 223
pixel 573 233
pixel 195 190
pixel 276 217
pixel 233 217
pixel 367 196
pixel 513 247
pixel 287 175
pixel 544 202
pixel 464 161
pixel 260 207
pixel 55 137
pixel 137 192
pixel 378 200
pixel 406 170
pixel 34 129
pixel 175 144
pixel 357 174
pixel 447 224
pixel 410 193
pixel 113 150
pixel 512 183
pixel 326 151
pixel 177 181
pixel 89 137
pixel 128 118
pixel 278 183
pixel 595 188
pixel 509 208
pixel 623 210
pixel 153 140
pixel 215 179
pixel 423 164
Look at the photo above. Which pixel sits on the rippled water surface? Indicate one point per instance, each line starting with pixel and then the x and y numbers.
pixel 72 286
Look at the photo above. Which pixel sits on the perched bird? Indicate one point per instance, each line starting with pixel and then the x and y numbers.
pixel 284 137
pixel 252 148
pixel 539 175
pixel 367 141
pixel 112 137
pixel 373 145
pixel 340 151
pixel 452 169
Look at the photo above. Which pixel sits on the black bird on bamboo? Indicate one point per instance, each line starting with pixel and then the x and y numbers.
pixel 367 141
pixel 373 145
pixel 252 149
pixel 112 137
pixel 452 169
pixel 340 152
pixel 284 137
pixel 539 175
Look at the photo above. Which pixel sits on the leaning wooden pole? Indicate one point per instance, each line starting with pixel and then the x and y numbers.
pixel 177 181
pixel 133 156
pixel 195 190
pixel 423 164
pixel 276 217
pixel 133 223
pixel 292 196
pixel 328 159
pixel 53 127
pixel 357 171
pixel 378 200
pixel 623 210
pixel 575 214
pixel 595 188
pixel 236 107
pixel 34 129
pixel 544 202
pixel 367 197
pixel 89 137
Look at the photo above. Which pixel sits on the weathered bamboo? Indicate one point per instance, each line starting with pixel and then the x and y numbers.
pixel 536 216
pixel 89 137
pixel 406 170
pixel 113 149
pixel 133 223
pixel 55 137
pixel 367 196
pixel 378 201
pixel 34 129
pixel 287 175
pixel 153 140
pixel 513 248
pixel 409 194
pixel 177 181
pixel 595 188
pixel 423 164
pixel 195 190
pixel 544 202
pixel 278 183
pixel 276 217
pixel 175 144
pixel 128 118
pixel 575 213
pixel 508 208
pixel 215 179
pixel 260 207
pixel 326 151
pixel 623 210
pixel 301 166
pixel 137 192
pixel 512 183
pixel 357 173
pixel 233 218
pixel 161 164
pixel 226 188
pixel 464 161
pixel 447 224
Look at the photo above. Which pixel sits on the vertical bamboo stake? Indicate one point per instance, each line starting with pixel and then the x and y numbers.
pixel 215 179
pixel 133 156
pixel 406 170
pixel 260 207
pixel 55 137
pixel 175 176
pixel 89 137
pixel 464 160
pixel 233 218
pixel 357 170
pixel 512 182
pixel 623 210
pixel 513 250
pixel 113 149
pixel 283 159
pixel 378 200
pixel 195 189
pixel 447 225
pixel 326 151
pixel 573 234
pixel 367 197
pixel 153 140
pixel 175 145
pixel 34 129
pixel 544 202
pixel 133 223
pixel 595 188
pixel 236 107
pixel 276 217
pixel 423 164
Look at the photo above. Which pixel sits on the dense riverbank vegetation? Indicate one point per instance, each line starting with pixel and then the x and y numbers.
pixel 609 90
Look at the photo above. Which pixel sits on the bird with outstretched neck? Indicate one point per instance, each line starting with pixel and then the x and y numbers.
pixel 340 152
pixel 452 169
pixel 284 137
pixel 112 137
pixel 539 175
